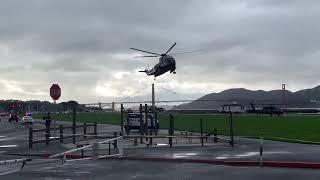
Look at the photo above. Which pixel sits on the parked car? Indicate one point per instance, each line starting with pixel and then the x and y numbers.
pixel 134 121
pixel 27 120
pixel 271 110
pixel 4 116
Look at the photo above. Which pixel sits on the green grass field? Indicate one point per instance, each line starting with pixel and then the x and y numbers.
pixel 301 127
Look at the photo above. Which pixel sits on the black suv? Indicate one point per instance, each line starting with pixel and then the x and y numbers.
pixel 134 122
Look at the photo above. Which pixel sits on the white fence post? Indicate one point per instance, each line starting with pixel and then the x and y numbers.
pixel 95 150
pixel 64 158
pixel 95 147
pixel 121 146
pixel 261 151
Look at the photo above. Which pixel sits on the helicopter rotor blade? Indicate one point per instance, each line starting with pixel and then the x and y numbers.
pixel 188 52
pixel 145 51
pixel 170 48
pixel 144 56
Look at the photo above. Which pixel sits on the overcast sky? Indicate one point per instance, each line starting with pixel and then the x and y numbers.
pixel 84 47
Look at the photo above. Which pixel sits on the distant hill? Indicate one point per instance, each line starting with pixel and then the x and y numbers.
pixel 301 99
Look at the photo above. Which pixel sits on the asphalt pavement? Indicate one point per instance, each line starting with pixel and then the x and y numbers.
pixel 112 169
pixel 14 144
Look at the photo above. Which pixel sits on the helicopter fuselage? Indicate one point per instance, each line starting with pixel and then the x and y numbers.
pixel 166 63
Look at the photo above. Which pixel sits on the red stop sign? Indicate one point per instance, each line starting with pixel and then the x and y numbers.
pixel 55 92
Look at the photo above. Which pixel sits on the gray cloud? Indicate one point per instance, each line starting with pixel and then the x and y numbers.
pixel 84 46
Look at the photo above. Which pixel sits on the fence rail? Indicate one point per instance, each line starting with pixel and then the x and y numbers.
pixel 61 136
pixel 94 148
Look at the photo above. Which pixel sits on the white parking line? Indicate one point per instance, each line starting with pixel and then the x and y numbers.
pixel 9 172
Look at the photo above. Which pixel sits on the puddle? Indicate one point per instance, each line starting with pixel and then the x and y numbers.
pixel 183 155
pixel 248 154
pixel 278 152
pixel 52 137
pixel 162 144
pixel 8 138
pixel 222 157
pixel 8 146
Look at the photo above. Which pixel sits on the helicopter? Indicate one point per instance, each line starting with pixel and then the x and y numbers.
pixel 166 62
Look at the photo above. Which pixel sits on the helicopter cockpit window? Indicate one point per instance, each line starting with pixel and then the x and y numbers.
pixel 162 63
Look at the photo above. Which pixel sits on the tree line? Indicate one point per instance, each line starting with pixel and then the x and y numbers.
pixel 17 106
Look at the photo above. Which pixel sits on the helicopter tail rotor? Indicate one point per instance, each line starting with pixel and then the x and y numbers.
pixel 144 71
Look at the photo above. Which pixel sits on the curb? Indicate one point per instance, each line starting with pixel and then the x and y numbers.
pixel 284 140
pixel 284 164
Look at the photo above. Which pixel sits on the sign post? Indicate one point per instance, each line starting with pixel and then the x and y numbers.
pixel 55 93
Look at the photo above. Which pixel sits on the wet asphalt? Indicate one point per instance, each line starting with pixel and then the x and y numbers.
pixel 14 140
pixel 118 170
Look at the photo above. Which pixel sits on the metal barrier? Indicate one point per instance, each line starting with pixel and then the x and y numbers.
pixel 94 147
pixel 13 161
pixel 62 137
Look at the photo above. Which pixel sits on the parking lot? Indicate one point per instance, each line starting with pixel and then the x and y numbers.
pixel 14 144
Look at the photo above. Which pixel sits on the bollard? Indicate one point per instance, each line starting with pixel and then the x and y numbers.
pixel 95 129
pixel 82 153
pixel 30 137
pixel 121 120
pixel 152 125
pixel 156 123
pixel 146 120
pixel 141 124
pixel 215 133
pixel 95 147
pixel 115 145
pixel 61 133
pixel 135 142
pixel 109 147
pixel 128 124
pixel 261 149
pixel 151 130
pixel 150 141
pixel 47 131
pixel 201 131
pixel 231 130
pixel 84 130
pixel 64 158
pixel 74 130
pixel 171 129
